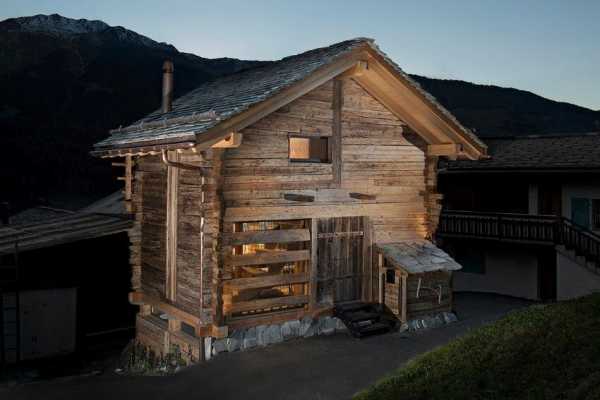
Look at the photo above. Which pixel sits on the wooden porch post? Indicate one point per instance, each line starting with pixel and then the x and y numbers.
pixel 313 265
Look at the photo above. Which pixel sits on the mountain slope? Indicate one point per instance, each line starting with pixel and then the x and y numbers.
pixel 497 111
pixel 66 82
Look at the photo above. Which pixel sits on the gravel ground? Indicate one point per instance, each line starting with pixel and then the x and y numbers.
pixel 332 367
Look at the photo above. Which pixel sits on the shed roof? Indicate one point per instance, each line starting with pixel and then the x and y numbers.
pixel 416 257
pixel 219 100
pixel 548 152
pixel 62 226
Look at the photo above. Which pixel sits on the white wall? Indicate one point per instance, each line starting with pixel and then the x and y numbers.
pixel 511 272
pixel 574 280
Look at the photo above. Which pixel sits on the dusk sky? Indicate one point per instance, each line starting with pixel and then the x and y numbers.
pixel 551 48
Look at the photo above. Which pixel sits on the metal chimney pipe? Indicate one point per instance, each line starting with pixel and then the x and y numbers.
pixel 167 86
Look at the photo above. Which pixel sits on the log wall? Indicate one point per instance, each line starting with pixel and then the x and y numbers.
pixel 152 175
pixel 195 200
pixel 428 301
pixel 376 161
pixel 374 172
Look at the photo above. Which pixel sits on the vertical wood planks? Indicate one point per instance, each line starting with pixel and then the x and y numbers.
pixel 314 261
pixel 336 145
pixel 341 266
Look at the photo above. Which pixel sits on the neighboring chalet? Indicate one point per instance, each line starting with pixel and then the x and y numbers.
pixel 279 192
pixel 54 266
pixel 526 222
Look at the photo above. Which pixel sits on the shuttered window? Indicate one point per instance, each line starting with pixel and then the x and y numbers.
pixel 596 214
pixel 580 211
pixel 304 149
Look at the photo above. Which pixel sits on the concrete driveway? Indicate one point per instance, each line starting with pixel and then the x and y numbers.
pixel 333 367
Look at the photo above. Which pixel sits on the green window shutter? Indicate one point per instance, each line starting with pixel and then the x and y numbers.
pixel 580 211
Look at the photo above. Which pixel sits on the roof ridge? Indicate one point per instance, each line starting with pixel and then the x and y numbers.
pixel 220 99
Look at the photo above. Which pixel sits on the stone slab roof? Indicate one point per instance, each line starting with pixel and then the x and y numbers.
pixel 549 152
pixel 416 257
pixel 213 102
pixel 42 227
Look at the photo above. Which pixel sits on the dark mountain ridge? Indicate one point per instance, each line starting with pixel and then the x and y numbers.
pixel 66 82
pixel 494 111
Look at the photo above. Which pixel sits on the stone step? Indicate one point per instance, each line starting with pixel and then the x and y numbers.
pixel 365 319
pixel 372 329
pixel 363 316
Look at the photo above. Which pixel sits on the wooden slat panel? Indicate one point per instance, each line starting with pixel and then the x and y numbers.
pixel 268 303
pixel 268 258
pixel 267 281
pixel 314 260
pixel 273 236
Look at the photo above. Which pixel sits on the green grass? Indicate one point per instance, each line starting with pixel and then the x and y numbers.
pixel 542 352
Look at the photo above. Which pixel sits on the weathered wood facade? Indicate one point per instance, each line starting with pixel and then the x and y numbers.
pixel 237 233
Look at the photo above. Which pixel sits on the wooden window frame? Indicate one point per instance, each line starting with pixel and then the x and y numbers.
pixel 311 160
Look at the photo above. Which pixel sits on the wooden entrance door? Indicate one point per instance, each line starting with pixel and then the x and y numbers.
pixel 341 252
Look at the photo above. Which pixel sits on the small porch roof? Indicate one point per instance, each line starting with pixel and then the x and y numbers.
pixel 416 257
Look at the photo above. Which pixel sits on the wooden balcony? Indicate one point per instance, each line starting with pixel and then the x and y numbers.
pixel 541 229
pixel 524 228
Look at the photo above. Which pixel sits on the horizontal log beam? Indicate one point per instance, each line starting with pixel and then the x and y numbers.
pixel 273 236
pixel 450 150
pixel 298 197
pixel 261 304
pixel 139 298
pixel 273 257
pixel 267 281
pixel 362 196
pixel 233 140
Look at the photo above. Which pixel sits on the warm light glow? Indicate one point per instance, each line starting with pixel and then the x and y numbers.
pixel 299 148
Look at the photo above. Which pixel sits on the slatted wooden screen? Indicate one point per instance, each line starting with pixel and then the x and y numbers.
pixel 343 262
pixel 279 245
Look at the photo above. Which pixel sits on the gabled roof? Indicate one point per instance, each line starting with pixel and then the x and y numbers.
pixel 536 153
pixel 198 115
pixel 45 227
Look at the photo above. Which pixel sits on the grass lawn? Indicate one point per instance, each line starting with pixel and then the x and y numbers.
pixel 541 352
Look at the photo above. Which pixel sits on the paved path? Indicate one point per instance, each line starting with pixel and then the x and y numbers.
pixel 333 367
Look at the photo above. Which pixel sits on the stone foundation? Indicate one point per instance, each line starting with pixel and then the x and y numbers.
pixel 429 322
pixel 264 335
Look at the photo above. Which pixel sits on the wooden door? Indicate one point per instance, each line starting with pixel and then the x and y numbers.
pixel 341 254
pixel 549 199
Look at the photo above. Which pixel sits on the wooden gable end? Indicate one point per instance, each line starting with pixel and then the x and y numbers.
pixel 372 72
pixel 382 174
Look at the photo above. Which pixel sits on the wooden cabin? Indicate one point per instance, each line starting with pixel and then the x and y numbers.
pixel 259 197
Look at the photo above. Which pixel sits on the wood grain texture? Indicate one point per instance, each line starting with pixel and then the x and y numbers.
pixel 271 236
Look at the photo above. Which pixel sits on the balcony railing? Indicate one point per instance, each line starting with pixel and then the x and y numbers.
pixel 538 229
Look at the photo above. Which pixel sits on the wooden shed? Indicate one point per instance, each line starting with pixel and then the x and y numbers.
pixel 258 196
pixel 416 278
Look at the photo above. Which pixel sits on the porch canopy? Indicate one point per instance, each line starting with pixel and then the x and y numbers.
pixel 417 257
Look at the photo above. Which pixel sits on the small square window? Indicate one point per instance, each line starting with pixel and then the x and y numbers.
pixel 309 149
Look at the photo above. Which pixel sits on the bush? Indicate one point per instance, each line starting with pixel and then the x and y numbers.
pixel 138 359
pixel 542 352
